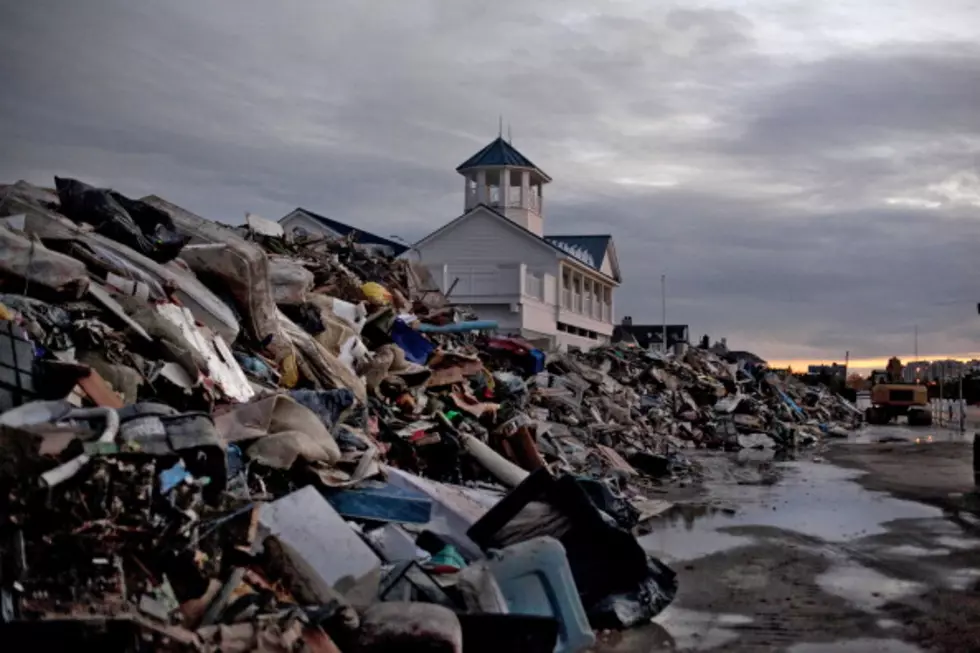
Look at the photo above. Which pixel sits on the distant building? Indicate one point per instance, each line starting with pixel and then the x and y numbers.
pixel 945 370
pixel 833 371
pixel 650 335
pixel 302 223
pixel 917 372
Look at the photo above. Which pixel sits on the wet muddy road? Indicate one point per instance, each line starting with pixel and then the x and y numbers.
pixel 811 556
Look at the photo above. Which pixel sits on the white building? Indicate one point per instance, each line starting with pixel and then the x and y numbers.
pixel 302 223
pixel 496 258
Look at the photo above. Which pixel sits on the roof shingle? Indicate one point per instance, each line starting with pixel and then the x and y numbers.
pixel 499 153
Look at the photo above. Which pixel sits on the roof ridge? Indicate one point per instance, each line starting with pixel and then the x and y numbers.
pixel 500 153
pixel 578 235
pixel 331 223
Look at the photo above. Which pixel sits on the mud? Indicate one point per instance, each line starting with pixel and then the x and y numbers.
pixel 858 553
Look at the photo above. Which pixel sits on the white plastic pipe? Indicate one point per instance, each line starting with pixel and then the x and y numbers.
pixel 63 472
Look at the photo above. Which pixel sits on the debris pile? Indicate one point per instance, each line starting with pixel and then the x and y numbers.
pixel 217 438
pixel 695 400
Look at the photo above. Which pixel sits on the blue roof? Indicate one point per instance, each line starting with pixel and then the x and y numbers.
pixel 594 247
pixel 363 237
pixel 499 153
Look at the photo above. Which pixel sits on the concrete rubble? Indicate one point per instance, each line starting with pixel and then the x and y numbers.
pixel 218 438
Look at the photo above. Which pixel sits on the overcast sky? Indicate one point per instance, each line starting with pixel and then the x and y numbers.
pixel 805 173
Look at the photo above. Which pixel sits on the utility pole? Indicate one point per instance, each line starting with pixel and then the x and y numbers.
pixel 916 343
pixel 960 406
pixel 663 310
pixel 942 378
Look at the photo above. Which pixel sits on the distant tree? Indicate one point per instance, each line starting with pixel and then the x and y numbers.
pixel 856 382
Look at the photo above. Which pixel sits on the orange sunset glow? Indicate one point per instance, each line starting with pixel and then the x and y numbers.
pixel 865 365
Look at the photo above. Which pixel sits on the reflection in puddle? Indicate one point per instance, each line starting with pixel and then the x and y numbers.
pixel 678 535
pixel 865 588
pixel 911 551
pixel 856 646
pixel 901 433
pixel 812 498
pixel 700 631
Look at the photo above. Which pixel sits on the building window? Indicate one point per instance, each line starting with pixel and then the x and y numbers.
pixel 576 331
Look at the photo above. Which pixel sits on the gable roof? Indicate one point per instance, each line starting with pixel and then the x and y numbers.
pixel 499 153
pixel 543 241
pixel 363 237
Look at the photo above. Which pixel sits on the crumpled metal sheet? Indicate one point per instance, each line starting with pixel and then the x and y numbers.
pixel 221 364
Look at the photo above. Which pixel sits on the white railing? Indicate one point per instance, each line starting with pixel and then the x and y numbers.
pixel 494 198
pixel 533 286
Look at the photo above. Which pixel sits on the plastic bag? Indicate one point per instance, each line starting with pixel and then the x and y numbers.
pixel 25 262
pixel 290 281
pixel 131 222
pixel 377 294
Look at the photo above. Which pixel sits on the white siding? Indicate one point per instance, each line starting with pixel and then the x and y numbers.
pixel 507 320
pixel 484 238
pixel 500 268
pixel 538 316
pixel 607 268
pixel 584 322
pixel 482 283
pixel 566 340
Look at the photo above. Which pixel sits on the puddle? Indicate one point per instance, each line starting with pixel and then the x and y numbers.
pixel 700 631
pixel 815 499
pixel 962 579
pixel 902 433
pixel 911 551
pixel 678 535
pixel 865 588
pixel 857 646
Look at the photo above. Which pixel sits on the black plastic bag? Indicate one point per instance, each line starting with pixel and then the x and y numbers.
pixel 145 228
pixel 651 594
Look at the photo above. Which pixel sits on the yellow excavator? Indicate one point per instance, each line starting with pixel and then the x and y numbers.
pixel 891 398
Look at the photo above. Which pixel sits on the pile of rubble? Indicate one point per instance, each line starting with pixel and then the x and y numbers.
pixel 698 399
pixel 223 439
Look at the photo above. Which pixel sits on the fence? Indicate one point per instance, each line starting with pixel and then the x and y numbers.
pixel 950 412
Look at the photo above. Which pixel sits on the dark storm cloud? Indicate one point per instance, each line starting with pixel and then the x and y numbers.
pixel 800 285
pixel 783 195
pixel 893 92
